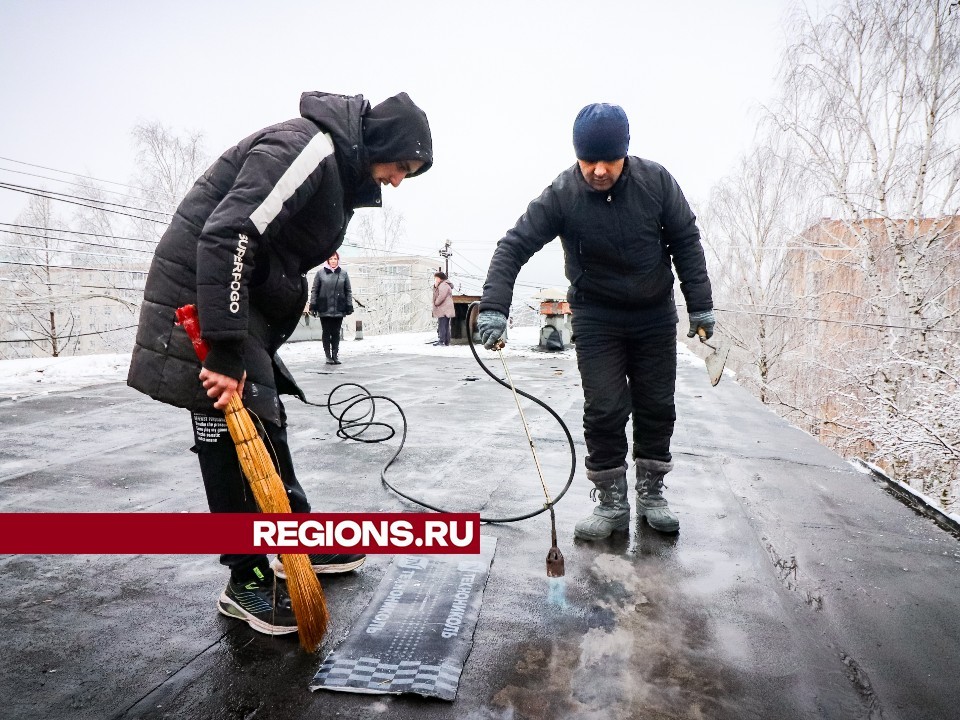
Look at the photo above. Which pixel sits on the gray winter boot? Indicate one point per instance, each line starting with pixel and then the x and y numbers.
pixel 650 501
pixel 613 512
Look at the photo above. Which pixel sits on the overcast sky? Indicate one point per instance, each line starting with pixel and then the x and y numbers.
pixel 501 83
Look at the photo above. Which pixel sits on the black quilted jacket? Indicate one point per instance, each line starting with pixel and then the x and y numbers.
pixel 618 245
pixel 268 210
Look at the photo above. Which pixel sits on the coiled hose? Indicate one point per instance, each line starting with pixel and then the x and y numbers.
pixel 354 428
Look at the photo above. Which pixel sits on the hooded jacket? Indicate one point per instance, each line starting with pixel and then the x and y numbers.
pixel 443 300
pixel 618 245
pixel 241 242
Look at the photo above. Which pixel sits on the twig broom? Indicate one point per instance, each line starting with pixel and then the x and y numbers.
pixel 306 595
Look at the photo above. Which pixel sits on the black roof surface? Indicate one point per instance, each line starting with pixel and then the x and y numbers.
pixel 796 588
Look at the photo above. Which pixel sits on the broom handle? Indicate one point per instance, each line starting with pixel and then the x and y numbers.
pixel 242 429
pixel 187 317
pixel 306 595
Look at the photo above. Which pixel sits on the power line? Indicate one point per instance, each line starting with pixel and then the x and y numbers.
pixel 76 184
pixel 73 232
pixel 73 285
pixel 463 274
pixel 73 267
pixel 47 300
pixel 7 186
pixel 14 186
pixel 389 278
pixel 470 276
pixel 850 323
pixel 389 252
pixel 772 306
pixel 470 262
pixel 70 252
pixel 76 242
pixel 68 336
pixel 65 172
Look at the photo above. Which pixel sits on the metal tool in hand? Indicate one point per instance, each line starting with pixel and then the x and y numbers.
pixel 715 360
pixel 555 565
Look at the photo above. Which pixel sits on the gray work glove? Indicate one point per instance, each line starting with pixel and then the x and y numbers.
pixel 702 319
pixel 491 324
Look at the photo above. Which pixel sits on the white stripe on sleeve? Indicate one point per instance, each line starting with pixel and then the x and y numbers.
pixel 300 169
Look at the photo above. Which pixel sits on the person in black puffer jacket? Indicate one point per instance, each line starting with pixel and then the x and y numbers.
pixel 239 246
pixel 330 300
pixel 622 222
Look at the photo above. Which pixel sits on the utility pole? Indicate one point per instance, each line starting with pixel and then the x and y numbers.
pixel 446 253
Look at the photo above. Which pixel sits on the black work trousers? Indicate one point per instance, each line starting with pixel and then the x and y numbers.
pixel 227 488
pixel 331 335
pixel 628 366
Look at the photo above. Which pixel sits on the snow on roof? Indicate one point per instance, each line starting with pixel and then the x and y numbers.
pixel 38 376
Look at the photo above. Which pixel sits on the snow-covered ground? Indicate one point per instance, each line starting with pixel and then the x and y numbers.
pixel 38 376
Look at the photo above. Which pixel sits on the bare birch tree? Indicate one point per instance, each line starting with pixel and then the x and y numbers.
pixel 871 94
pixel 168 164
pixel 85 278
pixel 40 308
pixel 752 222
pixel 377 231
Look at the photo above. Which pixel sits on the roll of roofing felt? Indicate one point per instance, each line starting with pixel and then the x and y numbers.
pixel 417 631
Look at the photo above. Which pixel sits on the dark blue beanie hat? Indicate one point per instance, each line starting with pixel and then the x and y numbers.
pixel 601 132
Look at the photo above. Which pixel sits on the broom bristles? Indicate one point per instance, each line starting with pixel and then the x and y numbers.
pixel 306 598
pixel 306 594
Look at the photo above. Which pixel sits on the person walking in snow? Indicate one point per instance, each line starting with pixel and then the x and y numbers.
pixel 330 300
pixel 239 246
pixel 622 221
pixel 443 308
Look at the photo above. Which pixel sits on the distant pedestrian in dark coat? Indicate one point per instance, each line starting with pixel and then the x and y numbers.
pixel 622 221
pixel 443 308
pixel 330 300
pixel 271 208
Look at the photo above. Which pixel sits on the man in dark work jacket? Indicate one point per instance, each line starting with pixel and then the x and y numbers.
pixel 240 244
pixel 622 221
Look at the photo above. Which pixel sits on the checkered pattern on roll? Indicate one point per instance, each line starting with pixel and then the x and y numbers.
pixel 407 676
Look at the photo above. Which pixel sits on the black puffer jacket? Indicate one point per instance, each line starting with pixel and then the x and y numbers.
pixel 332 295
pixel 239 246
pixel 618 245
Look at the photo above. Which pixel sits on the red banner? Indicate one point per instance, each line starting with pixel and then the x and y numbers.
pixel 238 533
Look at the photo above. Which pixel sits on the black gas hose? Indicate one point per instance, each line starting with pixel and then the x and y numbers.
pixel 354 428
